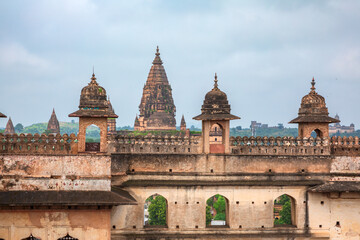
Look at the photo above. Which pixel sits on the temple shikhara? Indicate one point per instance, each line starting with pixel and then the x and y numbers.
pixel 157 109
pixel 178 186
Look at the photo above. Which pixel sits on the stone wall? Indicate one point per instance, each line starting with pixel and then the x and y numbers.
pixel 53 224
pixel 39 172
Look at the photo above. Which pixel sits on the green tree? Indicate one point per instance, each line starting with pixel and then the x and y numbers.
pixel 285 213
pixel 157 211
pixel 208 215
pixel 220 205
pixel 19 128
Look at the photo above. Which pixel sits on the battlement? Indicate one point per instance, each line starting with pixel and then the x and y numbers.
pixel 65 144
pixel 154 144
pixel 345 146
pixel 279 146
pixel 38 144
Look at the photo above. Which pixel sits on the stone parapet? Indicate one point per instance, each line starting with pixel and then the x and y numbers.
pixel 279 146
pixel 154 144
pixel 345 146
pixel 38 144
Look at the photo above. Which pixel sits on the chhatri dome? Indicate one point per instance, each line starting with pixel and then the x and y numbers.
pixel 216 105
pixel 94 102
pixel 313 109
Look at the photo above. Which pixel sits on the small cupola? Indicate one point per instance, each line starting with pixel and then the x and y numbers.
pixel 215 116
pixel 313 115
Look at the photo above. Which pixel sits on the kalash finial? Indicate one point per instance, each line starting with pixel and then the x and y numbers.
pixel 157 51
pixel 215 83
pixel 93 78
pixel 313 85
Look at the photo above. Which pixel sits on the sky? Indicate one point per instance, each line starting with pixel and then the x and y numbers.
pixel 265 54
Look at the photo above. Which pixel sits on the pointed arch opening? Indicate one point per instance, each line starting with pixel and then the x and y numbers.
pixel 216 138
pixel 217 211
pixel 92 138
pixel 68 237
pixel 317 133
pixel 155 211
pixel 284 211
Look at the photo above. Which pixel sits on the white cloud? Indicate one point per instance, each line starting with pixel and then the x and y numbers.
pixel 14 55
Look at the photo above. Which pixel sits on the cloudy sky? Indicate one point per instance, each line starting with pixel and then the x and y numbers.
pixel 264 52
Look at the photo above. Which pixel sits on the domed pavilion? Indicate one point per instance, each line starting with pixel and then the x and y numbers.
pixel 215 116
pixel 313 115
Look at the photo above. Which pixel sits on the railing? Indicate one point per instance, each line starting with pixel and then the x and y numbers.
pixel 37 144
pixel 154 144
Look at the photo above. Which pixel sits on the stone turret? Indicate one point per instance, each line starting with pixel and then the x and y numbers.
pixel 313 115
pixel 157 109
pixel 215 116
pixel 53 126
pixel 183 124
pixel 9 127
pixel 93 109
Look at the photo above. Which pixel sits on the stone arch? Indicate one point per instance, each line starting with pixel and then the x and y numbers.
pixel 217 211
pixel 216 138
pixel 318 133
pixel 84 122
pixel 284 213
pixel 156 211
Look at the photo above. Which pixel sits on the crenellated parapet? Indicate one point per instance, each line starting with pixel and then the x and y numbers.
pixel 154 144
pixel 38 144
pixel 279 146
pixel 345 146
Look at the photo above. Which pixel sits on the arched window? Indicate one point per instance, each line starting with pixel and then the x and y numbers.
pixel 217 208
pixel 31 237
pixel 155 211
pixel 317 133
pixel 216 139
pixel 68 237
pixel 92 141
pixel 216 134
pixel 284 211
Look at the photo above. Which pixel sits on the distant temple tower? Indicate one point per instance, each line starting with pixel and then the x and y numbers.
pixel 93 109
pixel 9 127
pixel 215 113
pixel 313 115
pixel 53 126
pixel 111 121
pixel 157 109
pixel 183 124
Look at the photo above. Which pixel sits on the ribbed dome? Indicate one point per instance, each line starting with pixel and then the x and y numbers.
pixel 93 95
pixel 93 102
pixel 216 105
pixel 313 108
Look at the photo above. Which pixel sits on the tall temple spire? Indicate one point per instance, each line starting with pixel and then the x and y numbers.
pixel 157 108
pixel 53 126
pixel 183 124
pixel 9 127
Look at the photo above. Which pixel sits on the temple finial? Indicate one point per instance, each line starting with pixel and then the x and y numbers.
pixel 313 84
pixel 93 71
pixel 215 83
pixel 157 51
